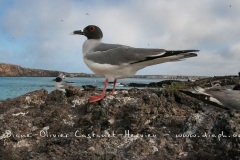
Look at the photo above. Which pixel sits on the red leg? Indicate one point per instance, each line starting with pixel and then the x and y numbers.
pixel 99 97
pixel 114 86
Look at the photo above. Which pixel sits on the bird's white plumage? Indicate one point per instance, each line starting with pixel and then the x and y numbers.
pixel 111 71
pixel 88 45
pixel 61 86
pixel 105 70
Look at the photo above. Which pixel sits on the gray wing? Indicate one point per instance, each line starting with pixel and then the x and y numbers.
pixel 229 98
pixel 115 54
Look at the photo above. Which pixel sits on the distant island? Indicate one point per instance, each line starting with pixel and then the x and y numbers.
pixel 12 70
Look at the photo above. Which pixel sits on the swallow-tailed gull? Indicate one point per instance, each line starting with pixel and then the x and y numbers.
pixel 227 98
pixel 114 61
pixel 61 85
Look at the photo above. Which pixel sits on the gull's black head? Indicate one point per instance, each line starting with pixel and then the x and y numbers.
pixel 91 32
pixel 58 79
pixel 237 87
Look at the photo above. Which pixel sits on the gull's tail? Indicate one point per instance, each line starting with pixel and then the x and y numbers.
pixel 171 56
pixel 168 56
pixel 181 53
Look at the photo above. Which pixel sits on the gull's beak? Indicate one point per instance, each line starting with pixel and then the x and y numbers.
pixel 78 32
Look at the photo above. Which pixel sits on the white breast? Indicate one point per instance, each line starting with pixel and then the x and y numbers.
pixel 107 70
pixel 89 44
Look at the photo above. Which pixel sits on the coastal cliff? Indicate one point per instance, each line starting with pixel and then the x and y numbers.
pixel 133 124
pixel 10 70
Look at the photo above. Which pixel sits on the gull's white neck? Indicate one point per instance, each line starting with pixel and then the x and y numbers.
pixel 89 45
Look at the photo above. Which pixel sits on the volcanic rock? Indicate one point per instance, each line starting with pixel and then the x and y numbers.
pixel 133 124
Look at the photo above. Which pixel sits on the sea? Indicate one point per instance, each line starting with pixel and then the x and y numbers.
pixel 11 87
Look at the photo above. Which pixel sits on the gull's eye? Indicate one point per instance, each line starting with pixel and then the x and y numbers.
pixel 91 28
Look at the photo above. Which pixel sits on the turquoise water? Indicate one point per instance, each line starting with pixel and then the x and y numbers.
pixel 11 87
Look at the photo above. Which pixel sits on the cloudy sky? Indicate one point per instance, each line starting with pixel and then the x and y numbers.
pixel 36 34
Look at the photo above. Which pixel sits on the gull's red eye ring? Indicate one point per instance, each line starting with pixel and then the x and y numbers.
pixel 91 28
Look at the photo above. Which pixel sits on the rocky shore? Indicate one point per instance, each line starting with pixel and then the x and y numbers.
pixel 133 124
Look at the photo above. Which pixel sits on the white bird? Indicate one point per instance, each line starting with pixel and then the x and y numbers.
pixel 60 85
pixel 114 61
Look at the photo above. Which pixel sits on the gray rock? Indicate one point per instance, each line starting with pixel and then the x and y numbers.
pixel 133 124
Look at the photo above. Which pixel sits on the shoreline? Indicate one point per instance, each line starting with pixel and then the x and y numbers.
pixel 126 86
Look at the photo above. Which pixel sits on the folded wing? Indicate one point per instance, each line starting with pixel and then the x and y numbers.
pixel 115 54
